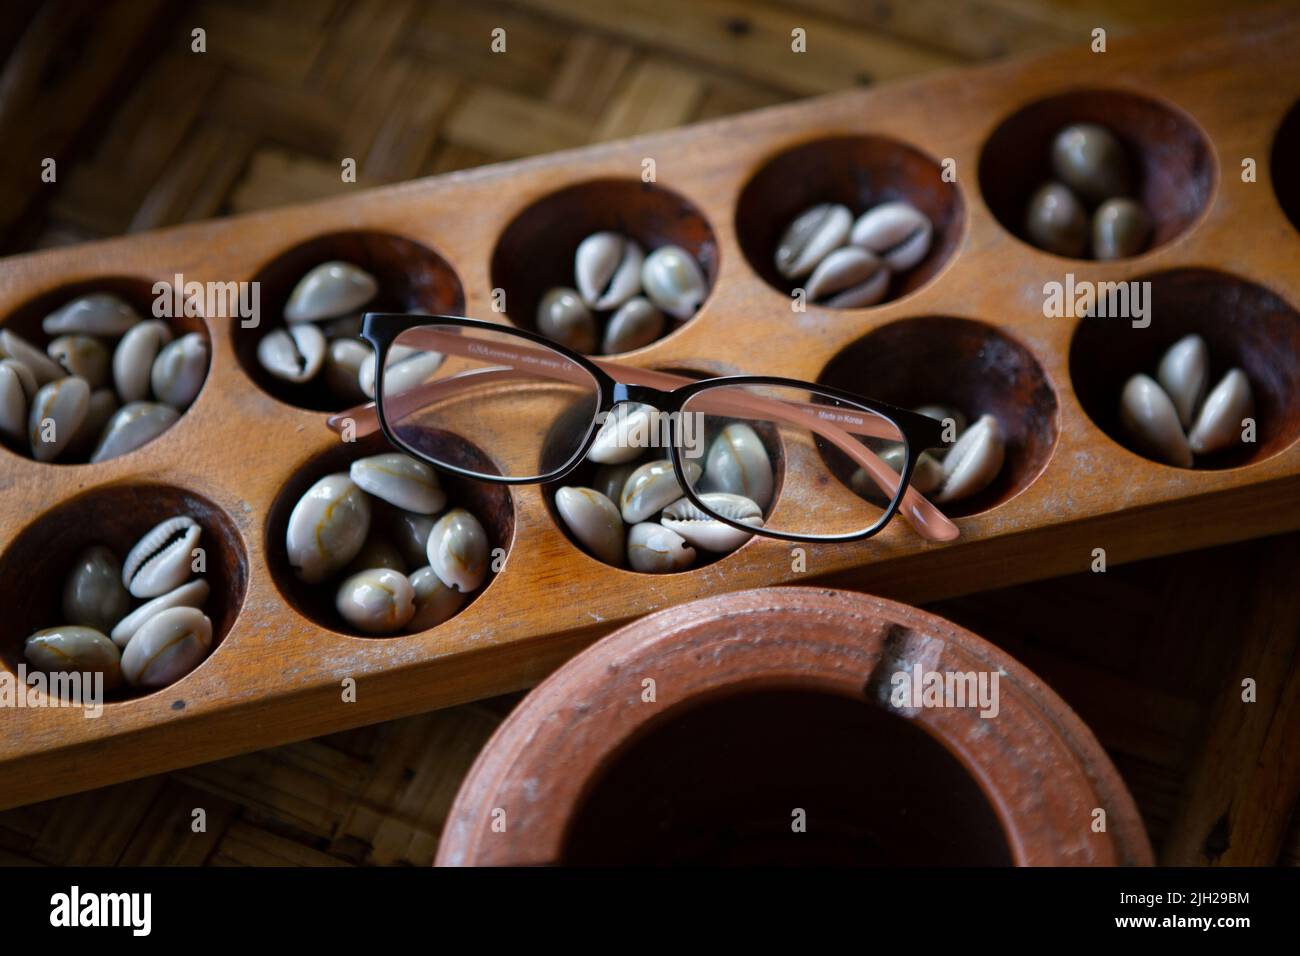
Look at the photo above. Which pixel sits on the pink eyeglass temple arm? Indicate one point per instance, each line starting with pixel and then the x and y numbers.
pixel 918 511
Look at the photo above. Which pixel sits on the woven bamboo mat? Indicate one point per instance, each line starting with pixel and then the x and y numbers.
pixel 145 134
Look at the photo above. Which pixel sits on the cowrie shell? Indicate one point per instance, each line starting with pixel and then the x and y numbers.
pixel 366 371
pixel 974 461
pixel 674 282
pixel 72 649
pixel 651 487
pixel 1149 416
pixel 377 600
pixel 458 551
pixel 405 368
pixel 704 531
pixel 100 313
pixel 191 594
pixel 811 237
pixel 434 601
pixel 167 647
pixel 1091 160
pixel 131 426
pixel 294 353
pixel 926 476
pixel 738 464
pixel 179 370
pixel 327 528
pixel 342 367
pixel 1184 373
pixel 43 368
pixel 594 520
pixel 625 435
pixel 134 357
pixel 607 267
pixel 848 278
pixel 93 594
pixel 82 356
pixel 897 232
pixel 1055 220
pixel 330 290
pixel 563 317
pixel 1219 424
pixel 23 375
pixel 654 549
pixel 161 560
pixel 13 399
pixel 1120 228
pixel 928 473
pixel 400 480
pixel 636 323
pixel 61 404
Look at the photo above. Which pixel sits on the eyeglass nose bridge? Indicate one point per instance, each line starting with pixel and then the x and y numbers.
pixel 641 394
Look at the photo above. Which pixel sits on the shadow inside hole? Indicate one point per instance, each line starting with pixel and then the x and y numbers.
pixel 1170 159
pixel 1284 162
pixel 716 783
pixel 25 321
pixel 411 278
pixel 535 252
pixel 118 516
pixel 1244 326
pixel 966 365
pixel 859 172
pixel 490 503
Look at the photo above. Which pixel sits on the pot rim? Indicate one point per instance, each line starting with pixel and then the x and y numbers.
pixel 1040 768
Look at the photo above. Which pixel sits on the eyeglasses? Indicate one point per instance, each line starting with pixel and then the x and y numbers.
pixel 505 405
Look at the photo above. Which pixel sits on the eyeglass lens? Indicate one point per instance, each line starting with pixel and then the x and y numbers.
pixel 526 407
pixel 813 464
pixel 748 439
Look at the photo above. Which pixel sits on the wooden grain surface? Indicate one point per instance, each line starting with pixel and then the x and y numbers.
pixel 162 139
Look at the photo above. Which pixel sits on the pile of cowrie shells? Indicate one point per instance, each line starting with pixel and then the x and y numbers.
pixel 636 513
pixel 321 337
pixel 849 262
pixel 139 621
pixel 361 531
pixel 964 470
pixel 1093 172
pixel 1172 417
pixel 627 291
pixel 108 382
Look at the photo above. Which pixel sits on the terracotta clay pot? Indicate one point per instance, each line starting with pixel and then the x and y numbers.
pixel 760 727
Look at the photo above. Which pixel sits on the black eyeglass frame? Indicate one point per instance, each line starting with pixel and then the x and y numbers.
pixel 919 432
